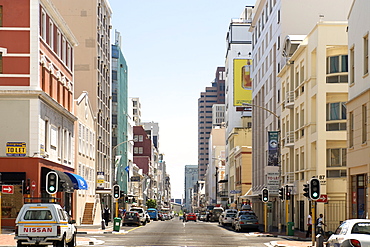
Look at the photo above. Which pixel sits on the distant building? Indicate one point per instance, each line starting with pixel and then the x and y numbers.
pixel 212 95
pixel 191 178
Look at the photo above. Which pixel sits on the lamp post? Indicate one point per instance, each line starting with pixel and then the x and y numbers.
pixel 278 143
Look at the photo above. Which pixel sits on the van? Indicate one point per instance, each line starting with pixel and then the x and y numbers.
pixel 215 213
pixel 153 213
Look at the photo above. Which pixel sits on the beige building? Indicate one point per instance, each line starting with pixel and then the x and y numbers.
pixel 314 93
pixel 87 206
pixel 358 159
pixel 240 164
pixel 92 70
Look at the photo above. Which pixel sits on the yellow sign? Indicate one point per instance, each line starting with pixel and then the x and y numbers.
pixel 242 81
pixel 16 149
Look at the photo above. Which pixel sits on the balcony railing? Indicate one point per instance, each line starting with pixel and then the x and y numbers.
pixel 223 194
pixel 289 99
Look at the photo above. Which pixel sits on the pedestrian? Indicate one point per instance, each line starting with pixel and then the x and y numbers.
pixel 309 225
pixel 106 214
pixel 320 223
pixel 121 212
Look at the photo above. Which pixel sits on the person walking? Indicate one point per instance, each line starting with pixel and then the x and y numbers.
pixel 309 225
pixel 320 224
pixel 106 214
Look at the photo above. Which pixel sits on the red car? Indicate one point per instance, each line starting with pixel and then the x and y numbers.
pixel 191 216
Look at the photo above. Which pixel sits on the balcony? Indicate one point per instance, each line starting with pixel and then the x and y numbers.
pixel 289 139
pixel 223 194
pixel 289 99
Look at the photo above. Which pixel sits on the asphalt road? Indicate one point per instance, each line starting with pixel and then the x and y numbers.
pixel 177 233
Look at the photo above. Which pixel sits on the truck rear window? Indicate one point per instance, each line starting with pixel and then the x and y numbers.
pixel 38 215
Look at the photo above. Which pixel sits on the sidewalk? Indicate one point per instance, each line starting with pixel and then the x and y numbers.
pixel 7 235
pixel 298 239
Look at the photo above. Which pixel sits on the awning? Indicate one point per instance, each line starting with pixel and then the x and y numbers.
pixel 79 183
pixel 65 183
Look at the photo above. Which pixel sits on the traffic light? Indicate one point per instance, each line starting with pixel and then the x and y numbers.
pixel 265 195
pixel 281 193
pixel 287 195
pixel 126 199
pixel 314 189
pixel 260 197
pixel 27 187
pixel 306 189
pixel 52 180
pixel 116 191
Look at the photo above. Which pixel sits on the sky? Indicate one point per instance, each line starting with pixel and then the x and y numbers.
pixel 173 49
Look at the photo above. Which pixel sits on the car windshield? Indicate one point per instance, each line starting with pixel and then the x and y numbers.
pixel 247 217
pixel 230 215
pixel 361 228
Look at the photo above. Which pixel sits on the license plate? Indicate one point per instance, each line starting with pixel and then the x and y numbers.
pixel 130 218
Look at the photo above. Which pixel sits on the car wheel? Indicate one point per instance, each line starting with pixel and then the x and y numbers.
pixel 144 223
pixel 72 243
pixel 61 243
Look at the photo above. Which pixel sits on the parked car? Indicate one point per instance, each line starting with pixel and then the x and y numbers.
pixel 215 213
pixel 246 222
pixel 353 232
pixel 131 218
pixel 226 218
pixel 202 216
pixel 242 213
pixel 191 216
pixel 141 214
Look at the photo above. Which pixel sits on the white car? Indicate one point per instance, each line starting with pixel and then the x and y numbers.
pixel 354 232
pixel 142 214
pixel 226 218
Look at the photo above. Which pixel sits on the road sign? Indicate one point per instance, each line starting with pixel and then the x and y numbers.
pixel 8 189
pixel 33 185
pixel 323 198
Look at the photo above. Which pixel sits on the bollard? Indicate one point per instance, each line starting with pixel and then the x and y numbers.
pixel 103 224
pixel 319 240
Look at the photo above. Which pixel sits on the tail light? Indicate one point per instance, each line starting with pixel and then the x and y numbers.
pixel 355 242
pixel 58 231
pixel 241 222
pixel 137 214
pixel 16 231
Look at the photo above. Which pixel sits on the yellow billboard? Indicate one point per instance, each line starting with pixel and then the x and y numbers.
pixel 242 81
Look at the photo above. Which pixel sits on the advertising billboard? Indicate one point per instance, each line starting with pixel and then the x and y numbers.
pixel 242 81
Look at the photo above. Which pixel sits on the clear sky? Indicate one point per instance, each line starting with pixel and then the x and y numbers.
pixel 172 49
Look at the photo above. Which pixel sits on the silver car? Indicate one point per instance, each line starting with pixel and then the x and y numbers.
pixel 226 218
pixel 354 232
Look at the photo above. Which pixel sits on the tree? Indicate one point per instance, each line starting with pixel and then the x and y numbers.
pixel 151 203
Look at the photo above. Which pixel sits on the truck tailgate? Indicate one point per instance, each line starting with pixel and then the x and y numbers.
pixel 37 230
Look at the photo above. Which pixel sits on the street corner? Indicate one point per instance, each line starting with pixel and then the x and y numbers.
pixel 88 241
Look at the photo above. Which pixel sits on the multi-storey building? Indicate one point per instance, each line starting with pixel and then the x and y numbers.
pixel 212 95
pixel 36 96
pixel 190 179
pixel 90 21
pixel 272 22
pixel 136 110
pixel 87 204
pixel 313 118
pixel 120 133
pixel 358 201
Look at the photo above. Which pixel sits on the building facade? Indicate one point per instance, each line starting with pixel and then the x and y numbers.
pixel 358 163
pixel 36 94
pixel 190 180
pixel 272 22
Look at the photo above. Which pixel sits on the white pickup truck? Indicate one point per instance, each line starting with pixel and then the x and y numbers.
pixel 44 224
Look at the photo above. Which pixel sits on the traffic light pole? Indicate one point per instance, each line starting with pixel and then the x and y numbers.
pixel 313 206
pixel 116 207
pixel 286 215
pixel 265 216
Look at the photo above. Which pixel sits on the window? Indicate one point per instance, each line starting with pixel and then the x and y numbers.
pixel 136 150
pixel 364 124
pixel 336 157
pixel 140 138
pixel 337 64
pixel 336 111
pixel 1 62
pixel 43 25
pixel 140 150
pixel 1 15
pixel 352 63
pixel 366 54
pixel 59 44
pixel 351 130
pixel 51 35
pixel 336 173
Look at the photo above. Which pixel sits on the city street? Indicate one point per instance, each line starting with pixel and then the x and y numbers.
pixel 177 233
